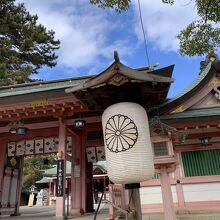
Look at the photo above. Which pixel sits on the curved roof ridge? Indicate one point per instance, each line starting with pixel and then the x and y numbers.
pixel 120 68
pixel 37 83
pixel 192 85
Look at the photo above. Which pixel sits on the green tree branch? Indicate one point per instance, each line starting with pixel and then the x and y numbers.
pixel 25 46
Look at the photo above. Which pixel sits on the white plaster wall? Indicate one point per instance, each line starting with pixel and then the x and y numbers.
pixel 201 192
pixel 153 195
pixel 173 189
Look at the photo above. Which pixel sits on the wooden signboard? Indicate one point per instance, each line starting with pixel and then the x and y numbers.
pixel 60 178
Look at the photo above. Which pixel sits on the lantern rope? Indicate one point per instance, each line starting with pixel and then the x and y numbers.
pixel 129 209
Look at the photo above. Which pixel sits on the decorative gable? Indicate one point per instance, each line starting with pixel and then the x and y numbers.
pixel 211 100
pixel 118 80
pixel 120 83
pixel 203 92
pixel 207 96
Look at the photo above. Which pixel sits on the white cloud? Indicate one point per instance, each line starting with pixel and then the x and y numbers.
pixel 82 29
pixel 88 34
pixel 163 22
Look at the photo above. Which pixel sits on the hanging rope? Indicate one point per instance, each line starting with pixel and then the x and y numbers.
pixel 142 27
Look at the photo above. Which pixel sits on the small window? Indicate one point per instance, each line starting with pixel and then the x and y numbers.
pixel 160 149
pixel 156 176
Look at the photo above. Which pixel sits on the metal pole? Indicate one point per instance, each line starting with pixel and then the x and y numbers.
pixel 98 205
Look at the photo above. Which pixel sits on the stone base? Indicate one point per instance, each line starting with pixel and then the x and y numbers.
pixel 76 211
pixel 60 218
pixel 15 214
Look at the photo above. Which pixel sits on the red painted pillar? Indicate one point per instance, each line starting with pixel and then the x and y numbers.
pixel 78 176
pixel 111 208
pixel 179 188
pixel 168 207
pixel 60 201
pixel 19 185
pixel 76 205
pixel 3 157
pixel 83 170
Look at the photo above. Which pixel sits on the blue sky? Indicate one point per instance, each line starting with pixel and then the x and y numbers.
pixel 89 36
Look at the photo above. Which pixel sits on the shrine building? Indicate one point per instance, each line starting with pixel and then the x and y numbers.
pixel 64 117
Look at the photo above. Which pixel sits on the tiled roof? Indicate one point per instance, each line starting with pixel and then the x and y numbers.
pixel 40 86
pixel 43 180
pixel 132 74
pixel 193 113
pixel 200 77
pixel 53 171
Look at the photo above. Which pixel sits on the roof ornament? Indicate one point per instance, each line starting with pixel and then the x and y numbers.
pixel 156 122
pixel 153 66
pixel 116 57
pixel 211 57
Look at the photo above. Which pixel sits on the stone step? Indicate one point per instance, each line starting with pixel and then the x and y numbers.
pixel 200 217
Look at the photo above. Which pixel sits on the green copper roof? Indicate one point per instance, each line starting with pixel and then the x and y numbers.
pixel 176 101
pixel 193 113
pixel 43 180
pixel 201 76
pixel 41 86
pixel 53 171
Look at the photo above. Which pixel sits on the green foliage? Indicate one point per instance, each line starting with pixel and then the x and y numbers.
pixel 25 45
pixel 202 36
pixel 209 10
pixel 168 1
pixel 198 38
pixel 117 5
pixel 33 166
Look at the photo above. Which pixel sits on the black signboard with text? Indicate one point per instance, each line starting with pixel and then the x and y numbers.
pixel 60 180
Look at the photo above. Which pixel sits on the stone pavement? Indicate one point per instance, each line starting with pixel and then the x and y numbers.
pixel 189 216
pixel 48 213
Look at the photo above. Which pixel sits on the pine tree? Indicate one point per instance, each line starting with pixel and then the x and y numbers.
pixel 25 45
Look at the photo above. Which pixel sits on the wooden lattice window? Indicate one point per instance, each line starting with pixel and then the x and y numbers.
pixel 160 149
pixel 201 163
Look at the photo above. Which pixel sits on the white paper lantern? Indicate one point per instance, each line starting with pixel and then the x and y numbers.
pixel 29 147
pixel 20 148
pixel 100 152
pixel 127 143
pixel 69 143
pixel 91 155
pixel 49 145
pixel 11 149
pixel 39 146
